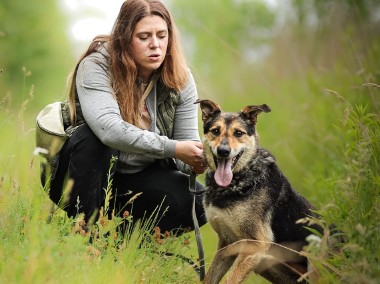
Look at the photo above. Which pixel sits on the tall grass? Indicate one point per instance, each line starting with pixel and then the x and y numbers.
pixel 36 247
pixel 324 132
pixel 33 250
pixel 40 244
pixel 355 185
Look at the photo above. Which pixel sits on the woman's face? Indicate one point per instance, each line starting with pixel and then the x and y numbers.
pixel 149 44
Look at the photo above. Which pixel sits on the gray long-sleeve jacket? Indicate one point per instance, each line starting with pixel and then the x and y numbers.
pixel 138 148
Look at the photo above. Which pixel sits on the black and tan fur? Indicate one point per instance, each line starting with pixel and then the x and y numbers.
pixel 249 202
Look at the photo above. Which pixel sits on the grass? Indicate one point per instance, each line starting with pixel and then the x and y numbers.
pixel 33 250
pixel 337 141
pixel 36 247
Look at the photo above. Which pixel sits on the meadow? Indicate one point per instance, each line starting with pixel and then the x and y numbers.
pixel 338 171
pixel 324 129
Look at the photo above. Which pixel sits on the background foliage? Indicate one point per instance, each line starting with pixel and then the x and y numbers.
pixel 33 38
pixel 315 63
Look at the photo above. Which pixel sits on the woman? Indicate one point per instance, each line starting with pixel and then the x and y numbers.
pixel 132 97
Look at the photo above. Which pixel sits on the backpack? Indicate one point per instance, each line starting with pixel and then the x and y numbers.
pixel 50 131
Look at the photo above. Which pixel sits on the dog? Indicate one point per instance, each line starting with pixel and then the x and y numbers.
pixel 249 202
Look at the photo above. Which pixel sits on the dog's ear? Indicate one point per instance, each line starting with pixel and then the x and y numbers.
pixel 251 112
pixel 208 108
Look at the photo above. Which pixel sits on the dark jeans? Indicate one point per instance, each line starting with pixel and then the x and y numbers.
pixel 86 162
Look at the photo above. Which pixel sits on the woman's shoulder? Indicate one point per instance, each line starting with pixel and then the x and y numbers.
pixel 94 67
pixel 189 89
pixel 99 57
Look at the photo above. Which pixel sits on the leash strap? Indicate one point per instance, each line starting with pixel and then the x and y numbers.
pixel 201 268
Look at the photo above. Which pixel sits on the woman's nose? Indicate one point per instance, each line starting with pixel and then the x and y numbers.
pixel 154 42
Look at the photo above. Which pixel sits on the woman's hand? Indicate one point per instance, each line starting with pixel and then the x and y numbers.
pixel 190 152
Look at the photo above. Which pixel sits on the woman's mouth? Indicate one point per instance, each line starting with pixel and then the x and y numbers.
pixel 154 56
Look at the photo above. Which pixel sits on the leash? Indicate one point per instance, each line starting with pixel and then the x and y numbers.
pixel 192 188
pixel 200 268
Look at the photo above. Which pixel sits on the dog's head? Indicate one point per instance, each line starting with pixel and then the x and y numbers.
pixel 230 140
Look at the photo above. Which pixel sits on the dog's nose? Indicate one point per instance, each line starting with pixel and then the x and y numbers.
pixel 223 151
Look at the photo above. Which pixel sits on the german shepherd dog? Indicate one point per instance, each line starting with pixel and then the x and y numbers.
pixel 249 202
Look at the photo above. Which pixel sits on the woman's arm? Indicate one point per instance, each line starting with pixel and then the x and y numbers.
pixel 101 112
pixel 188 149
pixel 186 115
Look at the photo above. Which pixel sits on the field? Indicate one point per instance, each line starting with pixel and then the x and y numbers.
pixel 323 87
pixel 330 150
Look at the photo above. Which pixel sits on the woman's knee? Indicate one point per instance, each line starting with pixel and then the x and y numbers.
pixel 86 146
pixel 86 161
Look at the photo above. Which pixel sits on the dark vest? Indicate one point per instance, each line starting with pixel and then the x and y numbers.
pixel 167 102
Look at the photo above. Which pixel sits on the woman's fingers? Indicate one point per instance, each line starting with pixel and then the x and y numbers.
pixel 191 153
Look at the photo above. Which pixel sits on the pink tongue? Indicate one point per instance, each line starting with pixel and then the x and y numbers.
pixel 223 174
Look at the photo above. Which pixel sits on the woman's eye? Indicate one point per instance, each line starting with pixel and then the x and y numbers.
pixel 143 36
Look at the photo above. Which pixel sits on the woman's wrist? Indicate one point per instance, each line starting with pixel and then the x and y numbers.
pixel 170 150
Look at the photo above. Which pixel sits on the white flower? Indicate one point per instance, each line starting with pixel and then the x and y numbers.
pixel 39 150
pixel 313 239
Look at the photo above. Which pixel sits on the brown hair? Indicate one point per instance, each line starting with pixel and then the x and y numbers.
pixel 123 70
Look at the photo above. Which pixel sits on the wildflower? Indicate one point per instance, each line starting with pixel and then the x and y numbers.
pixel 313 239
pixel 83 233
pixel 157 235
pixel 115 236
pixel 39 150
pixel 93 251
pixel 125 214
pixel 103 221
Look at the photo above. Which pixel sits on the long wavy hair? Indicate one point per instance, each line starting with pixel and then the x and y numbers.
pixel 123 70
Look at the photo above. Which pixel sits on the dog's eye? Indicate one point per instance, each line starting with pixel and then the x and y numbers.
pixel 238 133
pixel 215 131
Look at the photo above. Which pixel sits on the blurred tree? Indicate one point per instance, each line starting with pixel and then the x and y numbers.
pixel 240 45
pixel 331 34
pixel 323 10
pixel 220 35
pixel 34 50
pixel 290 56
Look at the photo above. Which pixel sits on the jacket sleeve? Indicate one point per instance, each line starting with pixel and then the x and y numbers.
pixel 102 114
pixel 186 118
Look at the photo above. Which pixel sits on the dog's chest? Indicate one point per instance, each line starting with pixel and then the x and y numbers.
pixel 225 222
pixel 245 219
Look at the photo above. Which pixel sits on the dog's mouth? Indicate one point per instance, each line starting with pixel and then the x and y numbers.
pixel 223 174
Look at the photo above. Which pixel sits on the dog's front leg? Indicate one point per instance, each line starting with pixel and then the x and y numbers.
pixel 219 267
pixel 244 264
pixel 249 254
